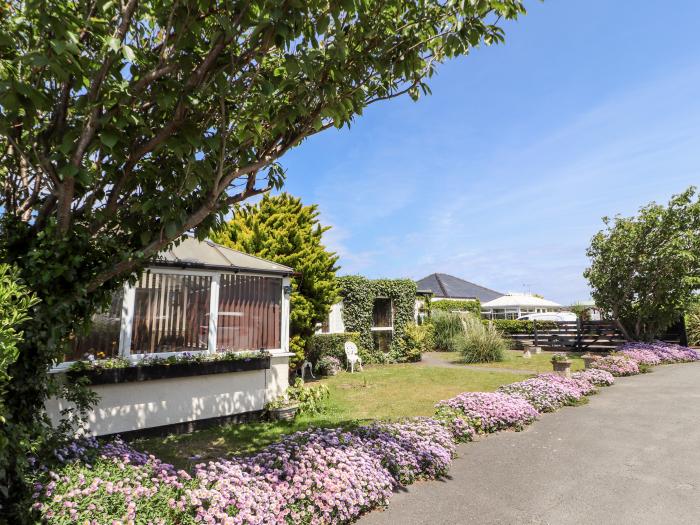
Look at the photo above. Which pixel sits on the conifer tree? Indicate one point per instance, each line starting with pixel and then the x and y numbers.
pixel 283 230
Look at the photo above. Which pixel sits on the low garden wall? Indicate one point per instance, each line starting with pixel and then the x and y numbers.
pixel 164 397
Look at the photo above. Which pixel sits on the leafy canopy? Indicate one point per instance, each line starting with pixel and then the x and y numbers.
pixel 125 124
pixel 171 111
pixel 644 269
pixel 285 231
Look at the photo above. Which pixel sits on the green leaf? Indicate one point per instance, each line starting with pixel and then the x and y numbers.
pixel 109 139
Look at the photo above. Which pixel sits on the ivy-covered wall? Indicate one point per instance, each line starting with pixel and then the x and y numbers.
pixel 359 294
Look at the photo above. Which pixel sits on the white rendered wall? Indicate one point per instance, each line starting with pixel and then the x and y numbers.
pixel 145 404
pixel 335 319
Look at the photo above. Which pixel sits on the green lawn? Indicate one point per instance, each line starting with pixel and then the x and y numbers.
pixel 538 363
pixel 380 392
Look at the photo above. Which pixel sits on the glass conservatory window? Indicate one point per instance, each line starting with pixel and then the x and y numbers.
pixel 102 341
pixel 171 313
pixel 250 313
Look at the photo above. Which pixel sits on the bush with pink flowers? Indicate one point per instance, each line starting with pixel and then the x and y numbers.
pixel 489 411
pixel 547 392
pixel 617 365
pixel 665 352
pixel 595 377
pixel 641 356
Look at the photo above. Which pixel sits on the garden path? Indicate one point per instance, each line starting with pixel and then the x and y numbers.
pixel 630 456
pixel 434 359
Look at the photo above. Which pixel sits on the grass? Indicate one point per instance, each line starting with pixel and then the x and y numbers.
pixel 379 392
pixel 538 363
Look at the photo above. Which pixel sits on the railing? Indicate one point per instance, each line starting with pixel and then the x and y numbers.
pixel 587 336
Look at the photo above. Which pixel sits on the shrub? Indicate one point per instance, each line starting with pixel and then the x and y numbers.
pixel 692 324
pixel 513 326
pixel 479 343
pixel 641 356
pixel 412 449
pixel 546 392
pixel 472 306
pixel 328 365
pixel 446 326
pixel 489 411
pixel 666 352
pixel 617 365
pixel 595 377
pixel 321 345
pixel 417 339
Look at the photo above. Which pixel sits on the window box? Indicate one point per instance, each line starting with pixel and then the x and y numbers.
pixel 130 374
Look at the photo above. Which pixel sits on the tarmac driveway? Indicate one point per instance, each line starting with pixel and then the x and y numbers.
pixel 630 456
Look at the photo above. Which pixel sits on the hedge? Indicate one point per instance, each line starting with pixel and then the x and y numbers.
pixel 511 326
pixel 321 345
pixel 458 305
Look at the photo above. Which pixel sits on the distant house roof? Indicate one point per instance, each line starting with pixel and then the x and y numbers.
pixel 515 300
pixel 446 286
pixel 207 254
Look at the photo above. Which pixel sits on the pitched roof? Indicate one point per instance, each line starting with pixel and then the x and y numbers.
pixel 207 254
pixel 519 299
pixel 446 286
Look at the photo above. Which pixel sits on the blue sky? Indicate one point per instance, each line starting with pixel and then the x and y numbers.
pixel 501 177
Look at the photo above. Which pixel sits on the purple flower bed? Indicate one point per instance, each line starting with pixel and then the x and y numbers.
pixel 595 377
pixel 617 365
pixel 665 352
pixel 548 392
pixel 641 356
pixel 414 449
pixel 317 476
pixel 489 411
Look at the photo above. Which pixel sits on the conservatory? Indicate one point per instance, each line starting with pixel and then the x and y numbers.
pixel 211 323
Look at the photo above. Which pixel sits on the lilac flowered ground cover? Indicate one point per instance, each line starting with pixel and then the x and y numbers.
pixel 617 365
pixel 595 377
pixel 665 352
pixel 547 392
pixel 489 411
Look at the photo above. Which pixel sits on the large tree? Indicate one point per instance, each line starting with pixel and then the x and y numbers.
pixel 644 269
pixel 283 230
pixel 124 124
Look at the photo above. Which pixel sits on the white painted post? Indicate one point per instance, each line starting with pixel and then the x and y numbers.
pixel 127 321
pixel 213 313
pixel 284 339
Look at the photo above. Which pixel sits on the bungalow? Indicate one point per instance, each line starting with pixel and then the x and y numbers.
pixel 512 306
pixel 197 301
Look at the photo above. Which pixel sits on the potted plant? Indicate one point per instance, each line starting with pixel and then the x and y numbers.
pixel 561 364
pixel 589 359
pixel 283 408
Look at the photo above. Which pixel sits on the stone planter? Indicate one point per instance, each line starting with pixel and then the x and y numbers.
pixel 536 349
pixel 287 413
pixel 563 368
pixel 589 359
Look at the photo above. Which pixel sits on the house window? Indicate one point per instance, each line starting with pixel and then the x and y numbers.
pixel 382 340
pixel 171 313
pixel 382 313
pixel 102 341
pixel 250 313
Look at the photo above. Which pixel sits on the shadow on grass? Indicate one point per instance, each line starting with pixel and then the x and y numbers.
pixel 235 439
